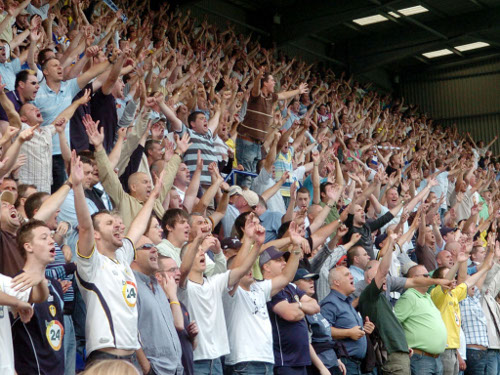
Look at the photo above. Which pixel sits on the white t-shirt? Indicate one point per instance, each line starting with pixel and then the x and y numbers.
pixel 248 325
pixel 263 182
pixel 109 291
pixel 204 304
pixel 6 347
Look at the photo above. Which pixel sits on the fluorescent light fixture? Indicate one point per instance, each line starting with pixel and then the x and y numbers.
pixel 369 20
pixel 468 47
pixel 438 53
pixel 409 11
pixel 413 10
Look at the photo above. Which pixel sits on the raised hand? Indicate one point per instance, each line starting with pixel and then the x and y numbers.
pixel 368 326
pixel 27 134
pixel 76 169
pixel 303 89
pixel 60 124
pixel 183 143
pixel 96 136
pixel 85 98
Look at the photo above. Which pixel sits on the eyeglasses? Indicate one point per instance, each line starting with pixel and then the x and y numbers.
pixel 426 275
pixel 146 246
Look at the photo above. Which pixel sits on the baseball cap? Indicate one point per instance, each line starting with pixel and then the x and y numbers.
pixel 251 197
pixel 230 243
pixel 7 196
pixel 302 273
pixel 445 230
pixel 342 259
pixel 271 253
pixel 235 189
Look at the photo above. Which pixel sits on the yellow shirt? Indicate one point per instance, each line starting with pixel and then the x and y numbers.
pixel 232 146
pixel 447 303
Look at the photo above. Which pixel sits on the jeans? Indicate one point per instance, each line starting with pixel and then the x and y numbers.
pixel 250 368
pixel 493 362
pixel 248 154
pixel 208 367
pixel 450 362
pixel 352 367
pixel 69 346
pixel 58 172
pixel 477 360
pixel 422 364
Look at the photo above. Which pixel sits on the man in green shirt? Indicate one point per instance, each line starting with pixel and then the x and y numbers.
pixel 374 305
pixel 423 326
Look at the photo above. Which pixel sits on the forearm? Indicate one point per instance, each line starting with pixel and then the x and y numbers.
pixel 266 195
pixel 340 333
pixel 40 292
pixel 10 110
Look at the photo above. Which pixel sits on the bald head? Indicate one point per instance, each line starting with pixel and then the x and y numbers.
pixel 139 185
pixel 444 258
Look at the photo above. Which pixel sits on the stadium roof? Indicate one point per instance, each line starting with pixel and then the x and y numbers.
pixel 363 35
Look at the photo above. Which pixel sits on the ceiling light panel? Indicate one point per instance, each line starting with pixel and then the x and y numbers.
pixel 470 46
pixel 438 53
pixel 369 20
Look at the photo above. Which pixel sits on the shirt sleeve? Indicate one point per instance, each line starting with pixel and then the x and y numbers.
pixel 127 251
pixel 460 291
pixel 16 65
pixel 87 266
pixel 72 86
pixel 398 284
pixel 222 281
pixel 438 296
pixel 267 286
pixel 5 286
pixel 277 298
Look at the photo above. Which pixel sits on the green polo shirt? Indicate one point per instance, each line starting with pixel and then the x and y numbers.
pixel 332 216
pixel 374 304
pixel 422 323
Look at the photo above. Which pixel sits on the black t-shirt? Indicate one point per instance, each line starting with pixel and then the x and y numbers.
pixel 38 345
pixel 103 108
pixel 290 339
pixel 78 136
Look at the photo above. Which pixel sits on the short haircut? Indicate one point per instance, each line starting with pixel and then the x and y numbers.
pixel 42 55
pixel 25 234
pixel 21 192
pixel 172 217
pixel 439 273
pixel 192 117
pixel 149 145
pixel 95 221
pixel 22 76
pixel 323 186
pixel 33 203
pixel 265 78
pixel 351 253
pixel 44 64
pixel 304 190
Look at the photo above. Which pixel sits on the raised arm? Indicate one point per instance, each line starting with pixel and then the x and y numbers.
pixel 386 261
pixel 85 228
pixel 290 94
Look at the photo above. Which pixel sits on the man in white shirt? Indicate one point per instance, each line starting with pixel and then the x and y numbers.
pixel 104 276
pixel 30 286
pixel 203 296
pixel 247 316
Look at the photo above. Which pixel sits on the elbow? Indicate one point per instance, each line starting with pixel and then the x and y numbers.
pixel 179 326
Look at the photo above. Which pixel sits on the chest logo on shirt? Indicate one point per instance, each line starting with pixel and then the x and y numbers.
pixel 52 310
pixel 55 334
pixel 129 293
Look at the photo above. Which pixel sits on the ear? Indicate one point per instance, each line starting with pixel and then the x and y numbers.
pixel 28 248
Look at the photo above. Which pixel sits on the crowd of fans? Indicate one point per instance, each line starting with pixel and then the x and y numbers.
pixel 358 237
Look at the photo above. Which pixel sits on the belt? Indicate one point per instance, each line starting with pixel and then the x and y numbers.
pixel 250 139
pixel 421 352
pixel 478 347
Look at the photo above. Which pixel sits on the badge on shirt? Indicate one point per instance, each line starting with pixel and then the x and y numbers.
pixel 55 334
pixel 52 310
pixel 129 293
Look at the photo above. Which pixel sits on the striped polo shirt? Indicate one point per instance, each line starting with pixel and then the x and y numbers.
pixel 205 143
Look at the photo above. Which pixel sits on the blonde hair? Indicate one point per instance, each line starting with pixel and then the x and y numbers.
pixel 111 367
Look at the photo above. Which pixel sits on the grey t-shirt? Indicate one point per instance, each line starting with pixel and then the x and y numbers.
pixel 394 284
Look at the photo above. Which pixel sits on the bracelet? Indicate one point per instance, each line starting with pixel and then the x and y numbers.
pixel 69 184
pixel 224 191
pixel 175 303
pixel 330 205
pixel 111 62
pixel 178 153
pixel 297 252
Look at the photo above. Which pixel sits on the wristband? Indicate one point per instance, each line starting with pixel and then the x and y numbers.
pixel 330 205
pixel 69 184
pixel 175 303
pixel 178 153
pixel 111 62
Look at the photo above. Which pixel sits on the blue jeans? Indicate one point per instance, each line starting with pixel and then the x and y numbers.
pixel 69 346
pixel 208 367
pixel 422 364
pixel 493 362
pixel 352 367
pixel 477 360
pixel 248 154
pixel 250 368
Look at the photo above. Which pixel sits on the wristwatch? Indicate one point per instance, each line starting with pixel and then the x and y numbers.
pixel 68 183
pixel 300 305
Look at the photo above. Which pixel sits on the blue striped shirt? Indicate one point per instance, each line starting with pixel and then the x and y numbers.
pixel 474 321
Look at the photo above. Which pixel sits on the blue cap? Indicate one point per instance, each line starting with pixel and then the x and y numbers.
pixel 302 273
pixel 270 253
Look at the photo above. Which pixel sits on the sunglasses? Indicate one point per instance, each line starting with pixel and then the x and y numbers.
pixel 146 246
